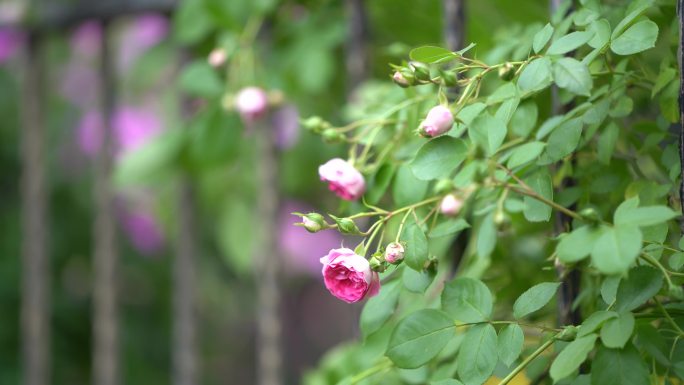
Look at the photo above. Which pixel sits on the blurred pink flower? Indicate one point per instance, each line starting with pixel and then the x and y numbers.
pixel 10 41
pixel 144 32
pixel 286 126
pixel 141 227
pixel 86 38
pixel 302 250
pixel 79 84
pixel 133 127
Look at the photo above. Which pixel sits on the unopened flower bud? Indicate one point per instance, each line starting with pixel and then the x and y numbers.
pixel 251 103
pixel 314 222
pixel 449 78
pixel 500 218
pixel 376 264
pixel 451 205
pixel 676 292
pixel 217 57
pixel 394 253
pixel 590 214
pixel 507 71
pixel 346 226
pixel 400 80
pixel 315 124
pixel 331 135
pixel 420 70
pixel 438 121
pixel 569 333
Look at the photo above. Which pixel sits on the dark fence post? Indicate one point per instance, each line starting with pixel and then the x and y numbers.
pixel 105 287
pixel 454 23
pixel 35 304
pixel 268 260
pixel 357 58
pixel 570 278
pixel 680 15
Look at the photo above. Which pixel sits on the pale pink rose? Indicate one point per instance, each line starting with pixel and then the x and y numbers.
pixel 144 32
pixel 217 57
pixel 86 39
pixel 348 276
pixel 251 103
pixel 394 252
pixel 438 121
pixel 451 205
pixel 10 41
pixel 286 126
pixel 343 179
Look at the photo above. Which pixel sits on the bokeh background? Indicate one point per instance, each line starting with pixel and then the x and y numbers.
pixel 172 125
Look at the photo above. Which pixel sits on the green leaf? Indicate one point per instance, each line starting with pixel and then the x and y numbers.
pixel 641 285
pixel 486 236
pixel 487 131
pixel 572 75
pixel 446 381
pixel 477 357
pixel 449 227
pixel 572 357
pixel 676 260
pixel 525 153
pixel 406 188
pixel 536 211
pixel 609 288
pixel 416 252
pixel 637 38
pixel 200 79
pixel 381 180
pixel 664 78
pixel 419 337
pixel 616 331
pixel 156 159
pixel 633 14
pixel 595 321
pixel 380 308
pixel 534 299
pixel 564 139
pixel 578 244
pixel 628 214
pixel 467 300
pixel 542 37
pixel 535 76
pixel 191 22
pixel 617 249
pixel 510 343
pixel 619 367
pixel 569 42
pixel 418 281
pixel 601 30
pixel 607 142
pixel 438 157
pixel 431 54
pixel 524 119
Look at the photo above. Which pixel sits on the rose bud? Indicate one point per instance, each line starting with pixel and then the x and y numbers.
pixel 315 124
pixel 376 264
pixel 400 80
pixel 451 205
pixel 449 78
pixel 421 70
pixel 394 252
pixel 331 136
pixel 251 103
pixel 217 57
pixel 343 179
pixel 346 225
pixel 314 222
pixel 348 276
pixel 507 71
pixel 438 121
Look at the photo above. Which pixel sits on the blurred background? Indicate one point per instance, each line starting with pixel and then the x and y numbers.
pixel 133 225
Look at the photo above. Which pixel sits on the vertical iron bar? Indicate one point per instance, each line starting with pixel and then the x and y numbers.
pixel 357 58
pixel 105 309
pixel 680 15
pixel 267 259
pixel 184 319
pixel 35 305
pixel 454 23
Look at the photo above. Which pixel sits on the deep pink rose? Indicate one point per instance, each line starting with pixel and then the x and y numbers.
pixel 438 121
pixel 451 205
pixel 348 276
pixel 343 179
pixel 251 103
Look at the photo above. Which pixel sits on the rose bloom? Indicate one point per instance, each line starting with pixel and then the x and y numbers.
pixel 348 276
pixel 251 103
pixel 438 121
pixel 343 179
pixel 451 205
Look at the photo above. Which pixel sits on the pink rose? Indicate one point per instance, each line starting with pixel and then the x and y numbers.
pixel 438 121
pixel 451 205
pixel 343 179
pixel 217 57
pixel 251 103
pixel 394 252
pixel 348 276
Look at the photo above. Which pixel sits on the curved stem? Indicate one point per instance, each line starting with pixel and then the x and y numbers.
pixel 527 361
